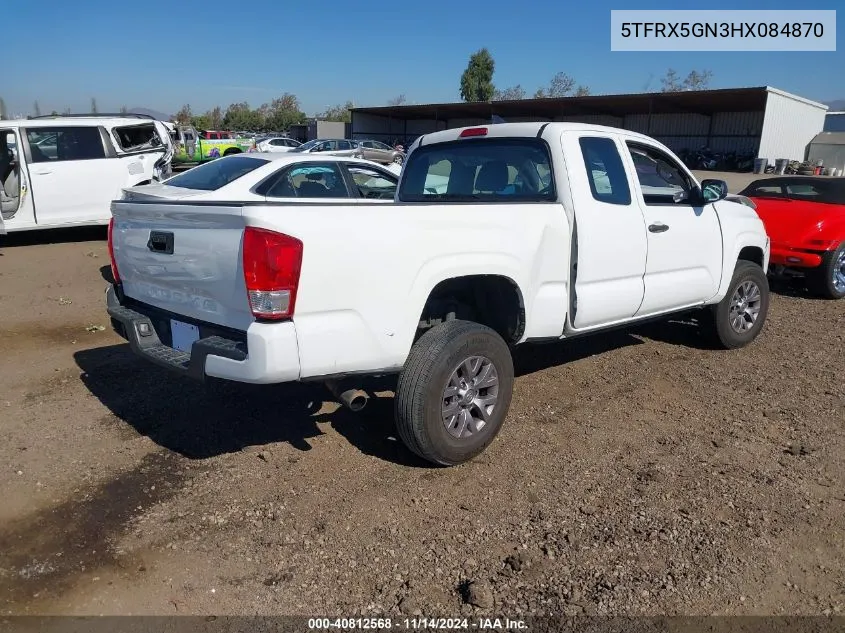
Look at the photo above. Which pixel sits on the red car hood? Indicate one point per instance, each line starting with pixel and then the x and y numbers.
pixel 789 222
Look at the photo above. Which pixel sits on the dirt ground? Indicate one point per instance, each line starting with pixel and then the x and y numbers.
pixel 638 473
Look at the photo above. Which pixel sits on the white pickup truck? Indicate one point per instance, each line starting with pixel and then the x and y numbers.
pixel 499 235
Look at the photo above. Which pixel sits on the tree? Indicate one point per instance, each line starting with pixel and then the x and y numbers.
pixel 124 110
pixel 36 109
pixel 54 113
pixel 560 86
pixel 509 94
pixel 215 117
pixel 695 80
pixel 94 109
pixel 282 112
pixel 582 91
pixel 66 111
pixel 698 80
pixel 338 113
pixel 184 115
pixel 477 79
pixel 3 114
pixel 200 121
pixel 396 101
pixel 239 116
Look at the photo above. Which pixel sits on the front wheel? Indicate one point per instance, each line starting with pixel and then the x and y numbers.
pixel 740 316
pixel 829 280
pixel 398 159
pixel 454 392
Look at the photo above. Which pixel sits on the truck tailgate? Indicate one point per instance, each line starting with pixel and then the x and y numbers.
pixel 183 258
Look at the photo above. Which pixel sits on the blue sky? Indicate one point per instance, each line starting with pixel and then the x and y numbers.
pixel 214 52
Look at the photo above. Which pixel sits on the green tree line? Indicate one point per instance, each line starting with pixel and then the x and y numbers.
pixel 277 115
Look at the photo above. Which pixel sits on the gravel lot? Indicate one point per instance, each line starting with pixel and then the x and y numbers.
pixel 638 473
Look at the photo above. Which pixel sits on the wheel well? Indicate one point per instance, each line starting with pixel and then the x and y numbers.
pixel 231 150
pixel 752 254
pixel 491 300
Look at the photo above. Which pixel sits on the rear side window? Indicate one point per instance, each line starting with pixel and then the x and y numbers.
pixel 134 138
pixel 492 170
pixel 216 174
pixel 310 180
pixel 48 144
pixel 605 171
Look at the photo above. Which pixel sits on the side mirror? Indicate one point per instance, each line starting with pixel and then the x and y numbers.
pixel 713 190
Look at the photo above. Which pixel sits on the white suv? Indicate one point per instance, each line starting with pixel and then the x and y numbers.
pixel 65 170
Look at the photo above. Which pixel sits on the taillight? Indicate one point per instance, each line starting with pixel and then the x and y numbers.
pixel 473 131
pixel 272 262
pixel 115 275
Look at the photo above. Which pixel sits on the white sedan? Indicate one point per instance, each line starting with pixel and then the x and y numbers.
pixel 266 177
pixel 277 144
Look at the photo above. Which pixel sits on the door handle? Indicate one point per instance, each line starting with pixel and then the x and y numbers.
pixel 42 173
pixel 658 227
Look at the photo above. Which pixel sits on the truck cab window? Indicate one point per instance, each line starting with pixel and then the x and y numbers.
pixel 495 169
pixel 661 178
pixel 605 171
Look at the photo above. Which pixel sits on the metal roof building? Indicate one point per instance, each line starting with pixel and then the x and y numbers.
pixel 765 121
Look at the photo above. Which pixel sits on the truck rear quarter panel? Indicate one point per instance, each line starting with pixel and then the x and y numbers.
pixel 368 271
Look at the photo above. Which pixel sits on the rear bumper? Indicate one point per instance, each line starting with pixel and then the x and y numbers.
pixel 793 258
pixel 266 353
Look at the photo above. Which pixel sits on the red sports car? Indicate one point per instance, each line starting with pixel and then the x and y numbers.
pixel 805 220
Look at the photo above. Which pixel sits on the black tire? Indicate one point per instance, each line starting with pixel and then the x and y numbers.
pixel 420 392
pixel 231 151
pixel 820 280
pixel 726 335
pixel 398 159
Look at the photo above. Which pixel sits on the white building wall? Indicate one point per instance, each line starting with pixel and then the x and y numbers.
pixel 789 125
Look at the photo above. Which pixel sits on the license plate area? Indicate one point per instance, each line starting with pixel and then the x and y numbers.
pixel 183 335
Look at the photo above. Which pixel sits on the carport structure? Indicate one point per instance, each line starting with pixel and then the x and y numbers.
pixel 765 121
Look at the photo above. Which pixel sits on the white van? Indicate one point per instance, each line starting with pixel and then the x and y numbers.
pixel 61 171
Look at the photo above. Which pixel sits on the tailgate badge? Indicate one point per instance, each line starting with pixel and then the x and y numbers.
pixel 161 242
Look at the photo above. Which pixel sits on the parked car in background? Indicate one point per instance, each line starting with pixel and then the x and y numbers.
pixel 805 219
pixel 200 146
pixel 280 177
pixel 65 170
pixel 748 202
pixel 379 152
pixel 544 232
pixel 277 144
pixel 335 147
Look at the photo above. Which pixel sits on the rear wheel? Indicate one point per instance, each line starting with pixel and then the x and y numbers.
pixel 740 316
pixel 231 151
pixel 829 279
pixel 454 392
pixel 398 159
